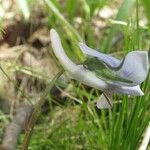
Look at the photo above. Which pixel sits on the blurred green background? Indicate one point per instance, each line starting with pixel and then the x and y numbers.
pixel 69 119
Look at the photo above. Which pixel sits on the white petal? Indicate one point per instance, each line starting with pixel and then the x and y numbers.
pixel 59 51
pixel 107 59
pixel 135 67
pixel 135 90
pixel 77 72
pixel 105 100
pixel 83 75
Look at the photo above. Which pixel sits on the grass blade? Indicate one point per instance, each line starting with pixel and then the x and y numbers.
pixel 122 15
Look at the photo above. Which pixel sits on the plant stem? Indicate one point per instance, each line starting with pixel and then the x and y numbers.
pixel 34 116
pixel 137 24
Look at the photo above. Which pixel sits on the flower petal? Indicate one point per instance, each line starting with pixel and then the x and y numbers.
pixel 135 90
pixel 59 51
pixel 107 59
pixel 135 67
pixel 77 72
pixel 105 100
pixel 85 76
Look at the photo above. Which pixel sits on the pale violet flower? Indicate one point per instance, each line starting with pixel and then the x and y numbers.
pixel 125 75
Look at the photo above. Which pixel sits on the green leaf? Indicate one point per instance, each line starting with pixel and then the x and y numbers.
pixel 146 4
pixel 71 6
pixel 122 15
pixel 102 71
pixel 94 4
pixel 149 56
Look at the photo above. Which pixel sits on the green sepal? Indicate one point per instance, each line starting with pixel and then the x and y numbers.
pixel 102 70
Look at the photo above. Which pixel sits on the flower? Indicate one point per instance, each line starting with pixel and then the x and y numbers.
pixel 105 72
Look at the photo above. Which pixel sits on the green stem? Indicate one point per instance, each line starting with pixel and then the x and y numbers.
pixel 137 24
pixel 36 112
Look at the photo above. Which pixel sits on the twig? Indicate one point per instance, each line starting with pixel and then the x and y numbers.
pixel 36 112
pixel 13 130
